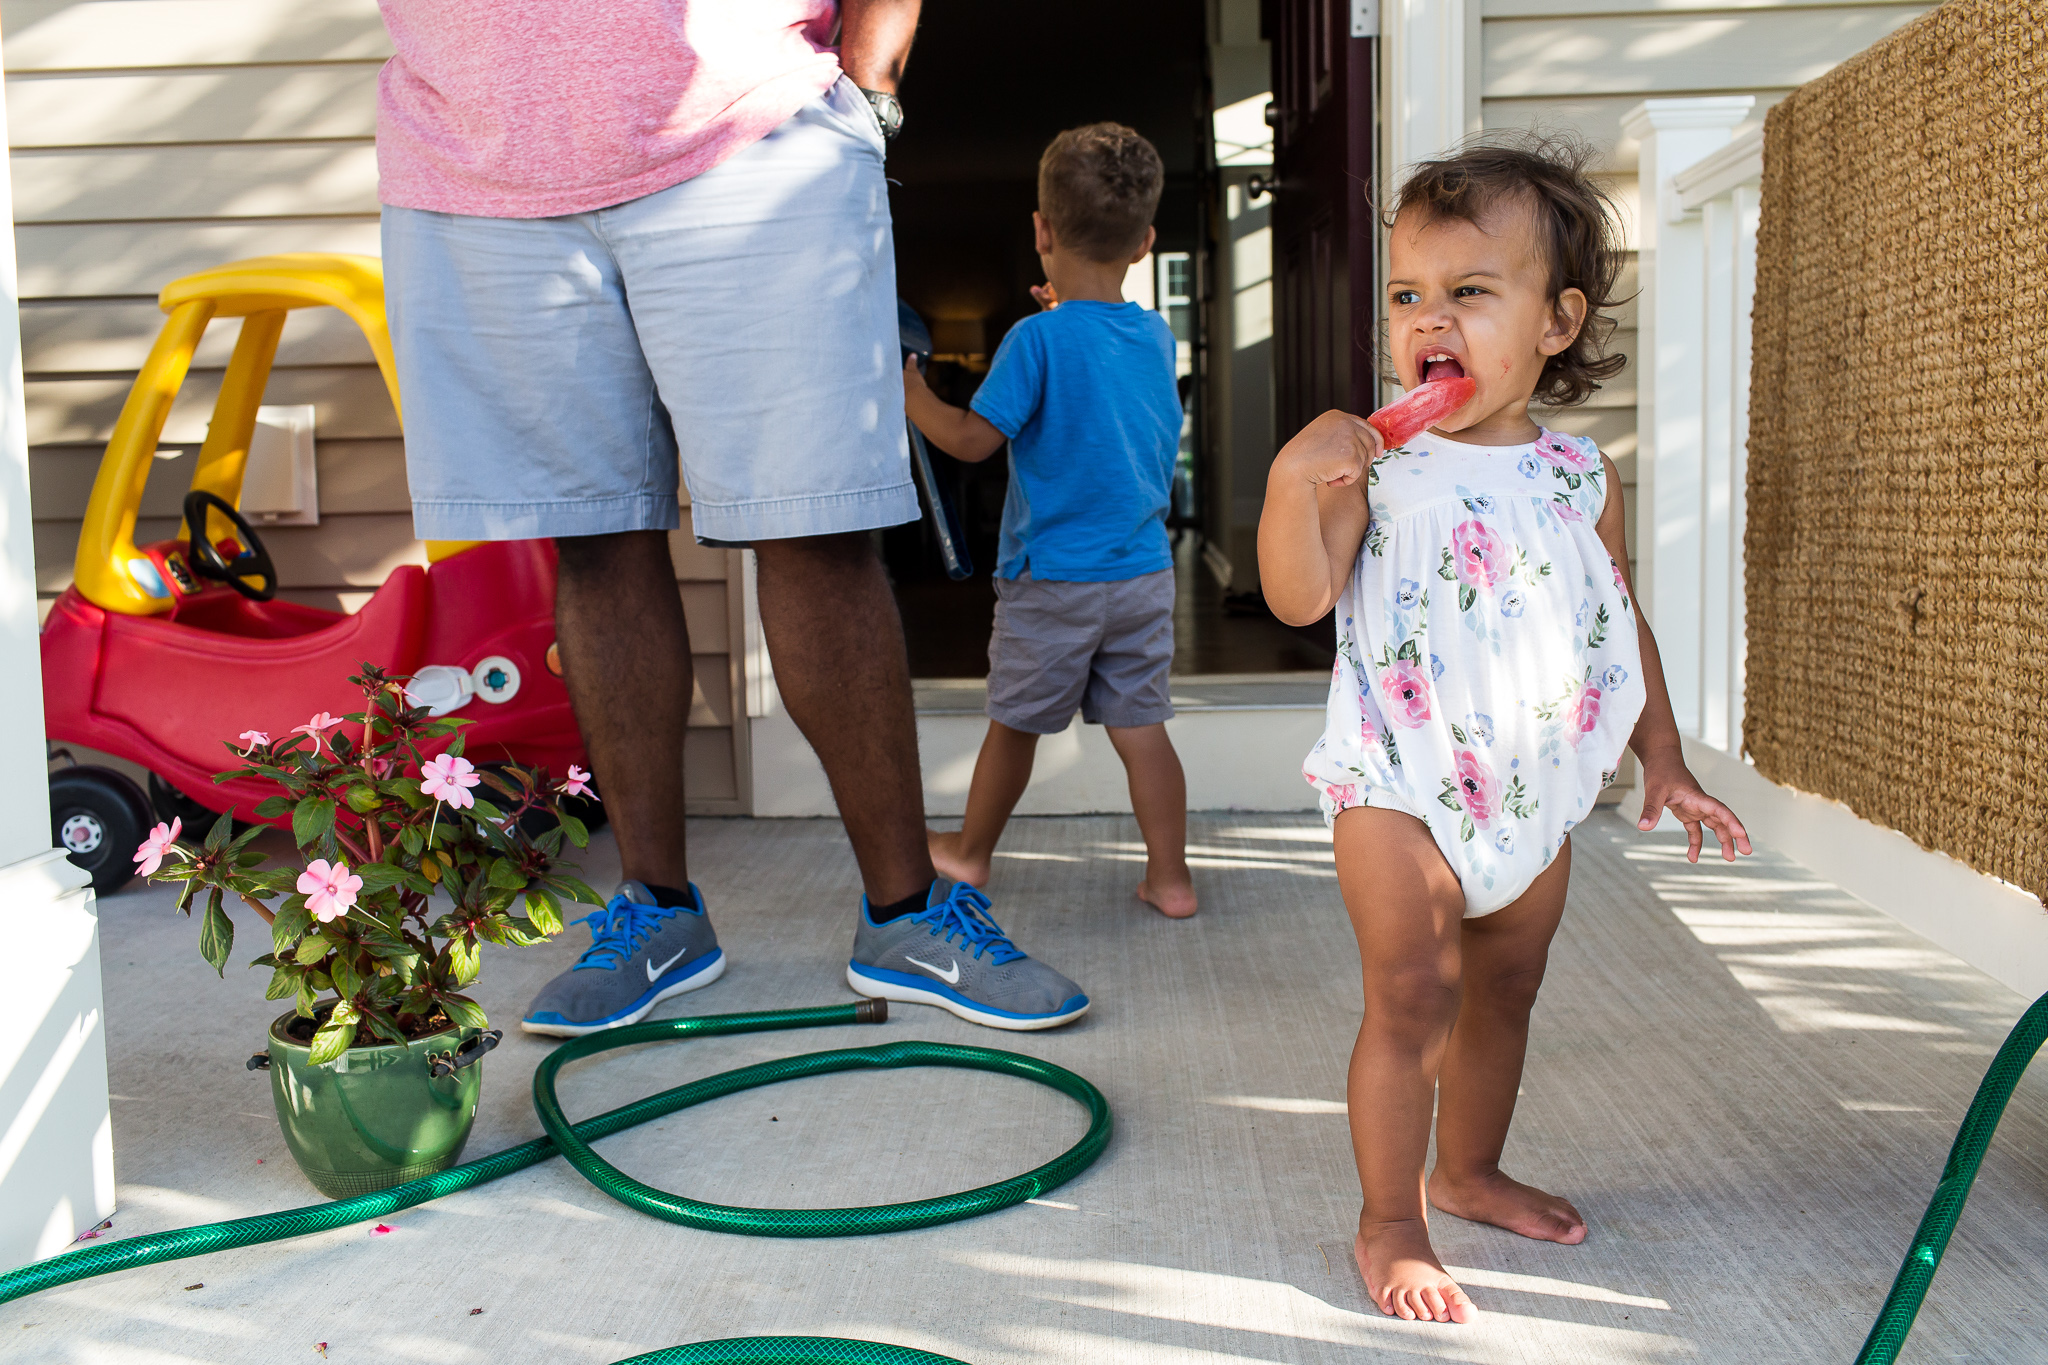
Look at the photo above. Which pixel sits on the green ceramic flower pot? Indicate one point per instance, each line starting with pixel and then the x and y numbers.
pixel 376 1116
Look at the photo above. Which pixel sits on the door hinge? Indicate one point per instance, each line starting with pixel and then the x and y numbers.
pixel 1365 18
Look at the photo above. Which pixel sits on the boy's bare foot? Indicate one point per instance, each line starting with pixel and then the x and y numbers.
pixel 950 863
pixel 1404 1277
pixel 1508 1203
pixel 1174 899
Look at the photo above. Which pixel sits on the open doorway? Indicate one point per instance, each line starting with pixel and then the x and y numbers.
pixel 988 86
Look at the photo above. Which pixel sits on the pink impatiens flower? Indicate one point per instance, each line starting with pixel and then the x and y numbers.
pixel 254 739
pixel 578 783
pixel 449 778
pixel 1479 554
pixel 316 727
pixel 1478 788
pixel 1406 688
pixel 150 856
pixel 330 889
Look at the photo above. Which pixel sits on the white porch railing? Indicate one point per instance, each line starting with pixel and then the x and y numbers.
pixel 1698 240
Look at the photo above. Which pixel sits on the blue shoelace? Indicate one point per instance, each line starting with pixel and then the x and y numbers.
pixel 618 931
pixel 964 913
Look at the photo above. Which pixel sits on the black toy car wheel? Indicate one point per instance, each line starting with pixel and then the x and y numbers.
pixel 98 817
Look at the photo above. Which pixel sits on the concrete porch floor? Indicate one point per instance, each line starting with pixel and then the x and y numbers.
pixel 1746 1079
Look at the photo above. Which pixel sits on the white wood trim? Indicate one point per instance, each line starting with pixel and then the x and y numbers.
pixel 1671 460
pixel 1430 101
pixel 1741 162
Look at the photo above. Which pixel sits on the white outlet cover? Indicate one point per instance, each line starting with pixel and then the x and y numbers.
pixel 281 483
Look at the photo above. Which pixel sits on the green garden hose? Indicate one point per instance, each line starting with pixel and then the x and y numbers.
pixel 1930 1239
pixel 573 1141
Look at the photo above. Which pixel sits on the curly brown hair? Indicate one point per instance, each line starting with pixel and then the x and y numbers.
pixel 1576 222
pixel 1099 187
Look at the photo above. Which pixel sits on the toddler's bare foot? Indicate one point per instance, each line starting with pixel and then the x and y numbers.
pixel 950 863
pixel 1508 1203
pixel 1404 1277
pixel 1173 897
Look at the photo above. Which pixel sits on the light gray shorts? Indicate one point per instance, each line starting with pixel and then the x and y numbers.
pixel 556 371
pixel 1104 647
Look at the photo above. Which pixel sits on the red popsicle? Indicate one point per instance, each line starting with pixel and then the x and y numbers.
pixel 1429 404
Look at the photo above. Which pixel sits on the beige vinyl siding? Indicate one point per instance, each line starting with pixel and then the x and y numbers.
pixel 153 138
pixel 1578 66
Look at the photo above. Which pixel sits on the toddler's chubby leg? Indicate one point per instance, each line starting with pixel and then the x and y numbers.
pixel 1159 796
pixel 1001 772
pixel 1407 910
pixel 1504 958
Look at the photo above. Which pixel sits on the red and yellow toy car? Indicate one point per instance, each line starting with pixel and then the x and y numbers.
pixel 158 653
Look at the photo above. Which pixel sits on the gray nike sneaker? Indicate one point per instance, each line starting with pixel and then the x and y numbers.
pixel 640 954
pixel 954 955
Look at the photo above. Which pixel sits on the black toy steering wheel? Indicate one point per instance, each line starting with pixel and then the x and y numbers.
pixel 209 562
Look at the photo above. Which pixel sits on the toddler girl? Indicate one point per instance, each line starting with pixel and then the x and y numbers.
pixel 1490 667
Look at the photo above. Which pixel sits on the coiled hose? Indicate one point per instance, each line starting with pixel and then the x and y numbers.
pixel 573 1140
pixel 1930 1239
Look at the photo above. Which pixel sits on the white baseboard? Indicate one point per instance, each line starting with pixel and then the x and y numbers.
pixel 56 1134
pixel 1992 925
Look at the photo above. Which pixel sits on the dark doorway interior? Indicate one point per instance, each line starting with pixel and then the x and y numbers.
pixel 988 86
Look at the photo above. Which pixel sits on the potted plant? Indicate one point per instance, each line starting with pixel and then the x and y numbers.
pixel 408 866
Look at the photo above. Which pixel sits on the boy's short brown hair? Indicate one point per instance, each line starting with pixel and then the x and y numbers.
pixel 1099 187
pixel 1576 229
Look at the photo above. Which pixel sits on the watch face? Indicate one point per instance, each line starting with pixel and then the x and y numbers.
pixel 888 112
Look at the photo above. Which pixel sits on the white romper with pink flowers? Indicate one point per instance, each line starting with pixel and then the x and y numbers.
pixel 1487 675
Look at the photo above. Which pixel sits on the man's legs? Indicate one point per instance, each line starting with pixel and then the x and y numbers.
pixel 837 644
pixel 626 660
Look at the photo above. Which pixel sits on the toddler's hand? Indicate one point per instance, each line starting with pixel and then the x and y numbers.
pixel 913 377
pixel 1671 786
pixel 1335 450
pixel 1046 296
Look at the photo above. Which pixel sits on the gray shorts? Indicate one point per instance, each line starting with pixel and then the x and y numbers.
pixel 742 324
pixel 1104 647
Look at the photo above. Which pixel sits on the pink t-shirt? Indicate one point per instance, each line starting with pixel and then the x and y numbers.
pixel 536 108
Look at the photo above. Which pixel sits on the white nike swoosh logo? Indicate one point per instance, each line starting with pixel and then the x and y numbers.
pixel 951 977
pixel 654 972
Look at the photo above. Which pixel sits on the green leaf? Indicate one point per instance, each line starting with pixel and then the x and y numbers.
pixel 271 807
pixel 454 749
pixel 381 876
pixel 464 1011
pixel 222 831
pixel 384 1026
pixel 465 960
pixel 306 989
pixel 335 1035
pixel 313 820
pixel 1467 595
pixel 312 948
pixel 216 933
pixel 505 873
pixel 574 888
pixel 347 980
pixel 544 910
pixel 579 833
pixel 1458 734
pixel 251 857
pixel 1410 651
pixel 414 840
pixel 293 919
pixel 485 810
pixel 363 798
pixel 283 982
pixel 1465 830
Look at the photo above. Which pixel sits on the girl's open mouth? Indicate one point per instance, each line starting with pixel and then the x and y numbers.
pixel 1439 365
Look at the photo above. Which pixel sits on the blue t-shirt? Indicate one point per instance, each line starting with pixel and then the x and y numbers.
pixel 1086 394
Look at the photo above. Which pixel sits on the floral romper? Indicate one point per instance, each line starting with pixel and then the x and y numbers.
pixel 1487 675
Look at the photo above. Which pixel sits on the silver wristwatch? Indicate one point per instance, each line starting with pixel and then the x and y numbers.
pixel 888 112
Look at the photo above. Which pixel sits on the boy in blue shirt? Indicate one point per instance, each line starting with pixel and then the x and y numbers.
pixel 1084 393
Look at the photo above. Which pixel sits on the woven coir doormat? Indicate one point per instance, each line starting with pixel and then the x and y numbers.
pixel 1897 542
